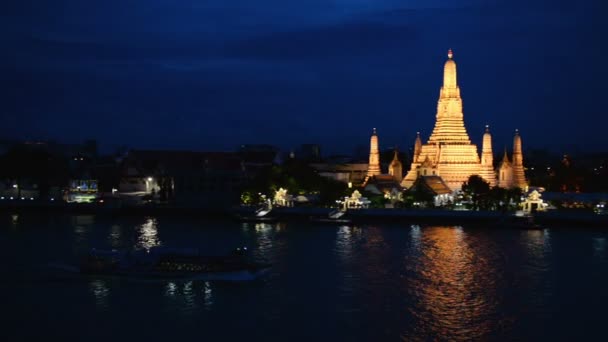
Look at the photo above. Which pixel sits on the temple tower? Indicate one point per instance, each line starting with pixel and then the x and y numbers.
pixel 417 147
pixel 395 169
pixel 505 172
pixel 449 126
pixel 373 168
pixel 519 177
pixel 449 150
pixel 487 159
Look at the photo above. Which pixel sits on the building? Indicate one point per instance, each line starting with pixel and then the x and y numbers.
pixel 378 183
pixel 82 191
pixel 185 178
pixel 435 187
pixel 449 153
pixel 342 171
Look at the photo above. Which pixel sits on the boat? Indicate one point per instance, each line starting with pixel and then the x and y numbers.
pixel 171 263
pixel 260 215
pixel 524 222
pixel 262 219
pixel 336 216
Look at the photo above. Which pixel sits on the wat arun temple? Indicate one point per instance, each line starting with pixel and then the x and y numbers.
pixel 449 153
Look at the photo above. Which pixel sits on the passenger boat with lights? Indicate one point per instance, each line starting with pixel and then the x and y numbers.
pixel 172 263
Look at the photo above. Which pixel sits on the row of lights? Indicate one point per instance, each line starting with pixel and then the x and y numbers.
pixel 22 198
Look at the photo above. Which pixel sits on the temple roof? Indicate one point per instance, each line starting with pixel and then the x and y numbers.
pixel 382 183
pixel 433 184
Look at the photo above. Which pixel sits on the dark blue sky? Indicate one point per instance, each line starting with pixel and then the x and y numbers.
pixel 212 74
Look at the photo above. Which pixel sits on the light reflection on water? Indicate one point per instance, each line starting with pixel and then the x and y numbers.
pixel 453 287
pixel 187 297
pixel 268 241
pixel 115 236
pixel 101 292
pixel 348 241
pixel 14 220
pixel 148 234
pixel 538 245
pixel 82 224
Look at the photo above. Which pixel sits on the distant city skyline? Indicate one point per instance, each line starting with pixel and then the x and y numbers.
pixel 185 75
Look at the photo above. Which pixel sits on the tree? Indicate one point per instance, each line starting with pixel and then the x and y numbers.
pixel 298 178
pixel 477 190
pixel 23 164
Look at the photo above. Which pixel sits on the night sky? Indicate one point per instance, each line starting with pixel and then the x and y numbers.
pixel 210 75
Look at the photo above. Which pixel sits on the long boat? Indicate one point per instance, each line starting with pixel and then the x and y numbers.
pixel 171 263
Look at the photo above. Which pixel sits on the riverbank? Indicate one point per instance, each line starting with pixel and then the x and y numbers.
pixel 426 216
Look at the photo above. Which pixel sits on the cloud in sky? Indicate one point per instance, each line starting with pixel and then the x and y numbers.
pixel 214 74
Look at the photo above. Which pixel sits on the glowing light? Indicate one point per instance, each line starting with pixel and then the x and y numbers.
pixel 15 186
pixel 149 179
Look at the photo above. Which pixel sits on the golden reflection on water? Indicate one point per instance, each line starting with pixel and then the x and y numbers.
pixel 148 234
pixel 454 288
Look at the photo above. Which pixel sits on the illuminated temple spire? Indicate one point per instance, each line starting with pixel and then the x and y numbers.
pixel 505 172
pixel 417 146
pixel 373 168
pixel 449 149
pixel 395 169
pixel 487 159
pixel 449 126
pixel 519 177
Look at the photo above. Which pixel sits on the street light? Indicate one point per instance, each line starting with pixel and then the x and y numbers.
pixel 149 179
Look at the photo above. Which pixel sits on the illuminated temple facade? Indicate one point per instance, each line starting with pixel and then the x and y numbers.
pixel 449 152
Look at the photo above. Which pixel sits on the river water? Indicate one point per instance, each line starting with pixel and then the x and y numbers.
pixel 390 282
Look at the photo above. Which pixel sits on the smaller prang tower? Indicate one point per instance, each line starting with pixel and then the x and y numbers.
pixel 519 177
pixel 505 172
pixel 487 159
pixel 373 169
pixel 395 169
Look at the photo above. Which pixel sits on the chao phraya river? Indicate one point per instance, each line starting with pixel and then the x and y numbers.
pixel 328 282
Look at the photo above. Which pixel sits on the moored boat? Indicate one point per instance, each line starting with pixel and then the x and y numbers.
pixel 526 222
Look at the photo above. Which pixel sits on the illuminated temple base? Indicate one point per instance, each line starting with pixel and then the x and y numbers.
pixel 453 163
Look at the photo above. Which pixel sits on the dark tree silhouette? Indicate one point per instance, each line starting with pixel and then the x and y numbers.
pixel 477 190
